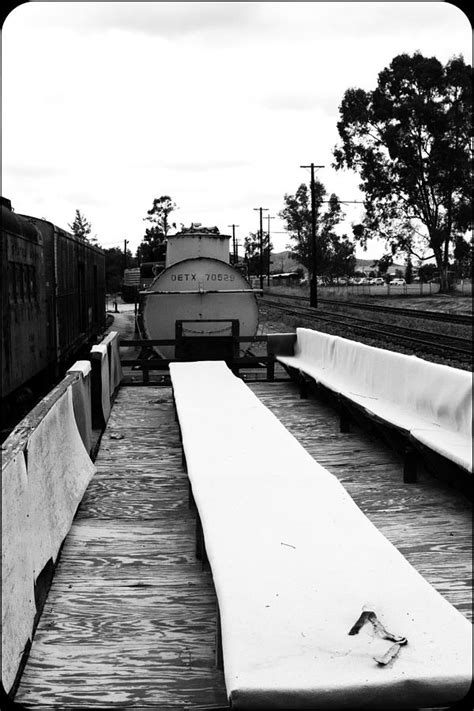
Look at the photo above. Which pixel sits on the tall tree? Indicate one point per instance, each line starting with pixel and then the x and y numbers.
pixel 409 141
pixel 81 228
pixel 160 212
pixel 152 245
pixel 114 266
pixel 252 252
pixel 334 253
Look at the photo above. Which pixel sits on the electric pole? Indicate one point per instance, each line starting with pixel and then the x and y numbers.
pixel 234 244
pixel 313 293
pixel 261 210
pixel 125 242
pixel 268 230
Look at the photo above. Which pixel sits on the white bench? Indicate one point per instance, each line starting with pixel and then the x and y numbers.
pixel 430 402
pixel 295 562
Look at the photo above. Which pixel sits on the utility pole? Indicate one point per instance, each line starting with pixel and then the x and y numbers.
pixel 313 293
pixel 261 210
pixel 234 244
pixel 268 230
pixel 125 242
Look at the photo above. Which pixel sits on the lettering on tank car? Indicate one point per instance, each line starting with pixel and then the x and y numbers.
pixel 184 276
pixel 217 276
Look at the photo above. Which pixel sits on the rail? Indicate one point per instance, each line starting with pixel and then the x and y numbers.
pixel 410 335
pixel 465 319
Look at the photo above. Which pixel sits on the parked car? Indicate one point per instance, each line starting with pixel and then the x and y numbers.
pixel 398 281
pixel 377 281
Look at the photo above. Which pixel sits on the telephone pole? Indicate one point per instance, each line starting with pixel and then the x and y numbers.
pixel 234 244
pixel 125 242
pixel 268 230
pixel 313 293
pixel 261 210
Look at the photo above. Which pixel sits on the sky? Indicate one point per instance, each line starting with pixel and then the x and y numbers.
pixel 107 106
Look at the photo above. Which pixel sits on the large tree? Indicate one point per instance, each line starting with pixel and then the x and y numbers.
pixel 159 213
pixel 334 252
pixel 115 261
pixel 151 247
pixel 252 252
pixel 409 141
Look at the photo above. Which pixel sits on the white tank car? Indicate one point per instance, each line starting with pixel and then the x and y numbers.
pixel 198 296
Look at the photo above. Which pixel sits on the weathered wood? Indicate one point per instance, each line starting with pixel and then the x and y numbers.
pixel 131 619
pixel 429 521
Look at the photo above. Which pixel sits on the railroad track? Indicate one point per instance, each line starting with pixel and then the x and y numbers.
pixel 419 337
pixel 465 319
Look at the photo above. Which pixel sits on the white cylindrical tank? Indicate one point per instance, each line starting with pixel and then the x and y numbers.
pixel 198 244
pixel 206 295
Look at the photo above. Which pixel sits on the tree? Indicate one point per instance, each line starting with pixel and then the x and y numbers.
pixel 409 141
pixel 252 252
pixel 383 263
pixel 334 253
pixel 82 228
pixel 159 213
pixel 152 245
pixel 114 266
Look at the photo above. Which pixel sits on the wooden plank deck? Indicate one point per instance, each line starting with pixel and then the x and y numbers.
pixel 130 618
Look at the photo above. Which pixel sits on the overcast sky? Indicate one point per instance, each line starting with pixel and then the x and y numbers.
pixel 107 106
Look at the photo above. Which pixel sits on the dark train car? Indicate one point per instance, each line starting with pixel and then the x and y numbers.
pixel 75 269
pixel 26 348
pixel 53 299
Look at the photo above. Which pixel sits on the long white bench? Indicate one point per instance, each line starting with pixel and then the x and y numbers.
pixel 430 402
pixel 295 563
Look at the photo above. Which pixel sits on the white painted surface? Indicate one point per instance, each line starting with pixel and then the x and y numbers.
pixel 431 401
pixel 18 600
pixel 295 562
pixel 197 244
pixel 81 397
pixel 39 502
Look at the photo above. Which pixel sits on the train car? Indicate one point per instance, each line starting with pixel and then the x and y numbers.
pixel 199 299
pixel 130 284
pixel 53 299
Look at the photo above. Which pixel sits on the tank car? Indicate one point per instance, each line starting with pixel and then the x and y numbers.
pixel 53 300
pixel 199 300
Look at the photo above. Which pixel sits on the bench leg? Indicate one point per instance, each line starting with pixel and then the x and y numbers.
pixel 410 465
pixel 303 383
pixel 271 369
pixel 191 502
pixel 344 418
pixel 219 654
pixel 199 538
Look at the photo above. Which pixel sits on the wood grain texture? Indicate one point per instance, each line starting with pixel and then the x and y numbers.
pixel 130 619
pixel 428 521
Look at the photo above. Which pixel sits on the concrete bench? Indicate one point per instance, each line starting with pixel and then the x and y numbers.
pixel 295 563
pixel 431 403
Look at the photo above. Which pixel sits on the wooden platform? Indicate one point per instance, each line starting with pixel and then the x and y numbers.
pixel 130 619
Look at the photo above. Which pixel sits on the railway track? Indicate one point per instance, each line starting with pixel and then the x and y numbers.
pixel 464 319
pixel 390 332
